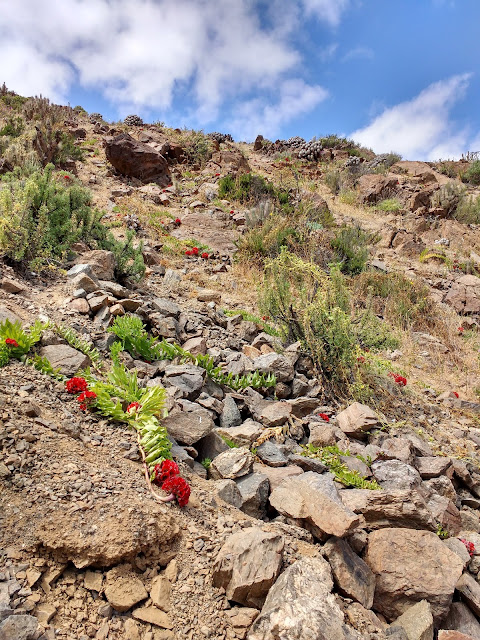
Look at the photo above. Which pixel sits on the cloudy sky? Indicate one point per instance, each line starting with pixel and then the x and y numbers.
pixel 401 76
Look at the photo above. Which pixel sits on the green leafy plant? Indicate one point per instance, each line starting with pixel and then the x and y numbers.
pixel 331 458
pixel 472 174
pixel 229 443
pixel 206 462
pixel 79 343
pixel 16 342
pixel 351 247
pixel 442 533
pixel 43 365
pixel 389 205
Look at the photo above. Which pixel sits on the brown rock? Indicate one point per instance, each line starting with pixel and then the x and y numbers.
pixel 196 346
pixel 229 161
pixel 189 427
pixel 154 616
pixel 93 581
pixel 321 434
pixel 470 591
pixel 432 466
pixel 11 286
pixel 374 187
pixel 356 420
pixel 65 358
pixel 160 593
pixel 124 589
pixel 313 498
pixel 248 564
pixel 352 576
pixel 462 620
pixel 207 295
pixel 80 305
pixel 102 263
pixel 276 413
pixel 6 314
pixel 231 464
pixel 136 159
pixel 410 566
pixel 453 635
pixel 276 475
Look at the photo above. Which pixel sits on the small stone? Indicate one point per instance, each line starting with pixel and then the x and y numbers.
pixel 45 613
pixel 233 463
pixel 207 295
pixel 93 581
pixel 11 286
pixel 154 616
pixel 124 589
pixel 160 593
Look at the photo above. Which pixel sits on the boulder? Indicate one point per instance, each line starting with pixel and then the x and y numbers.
pixel 276 475
pixel 228 491
pixel 464 295
pixel 469 589
pixel 233 463
pixel 188 427
pixel 300 605
pixel 275 414
pixel 254 489
pixel 275 363
pixel 19 627
pixel 410 566
pixel 375 187
pixel 136 159
pixel 417 622
pixel 123 588
pixel 461 619
pixel 351 574
pixel 269 453
pixel 395 475
pixel 356 420
pixel 313 498
pixel 321 434
pixel 230 161
pixel 432 466
pixel 243 435
pixel 65 358
pixel 12 286
pixel 248 564
pixel 102 263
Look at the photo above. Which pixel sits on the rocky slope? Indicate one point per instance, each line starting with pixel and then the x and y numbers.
pixel 273 543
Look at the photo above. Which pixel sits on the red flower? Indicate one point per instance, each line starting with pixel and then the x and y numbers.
pixel 195 251
pixel 66 178
pixel 76 385
pixel 232 211
pixel 205 256
pixel 398 379
pixel 165 471
pixel 188 252
pixel 460 329
pixel 133 407
pixel 85 399
pixel 264 318
pixel 178 221
pixel 455 394
pixel 360 359
pixel 469 546
pixel 217 174
pixel 324 416
pixel 10 342
pixel 178 487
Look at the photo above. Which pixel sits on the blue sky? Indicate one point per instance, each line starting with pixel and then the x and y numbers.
pixel 394 75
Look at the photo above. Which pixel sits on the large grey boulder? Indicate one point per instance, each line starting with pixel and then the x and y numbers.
pixel 301 606
pixel 276 364
pixel 248 564
pixel 393 474
pixel 233 463
pixel 188 427
pixel 65 358
pixel 254 489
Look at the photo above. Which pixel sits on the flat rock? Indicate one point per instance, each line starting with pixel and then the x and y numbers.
pixel 188 427
pixel 351 574
pixel 6 314
pixel 123 588
pixel 423 569
pixel 166 307
pixel 65 358
pixel 313 498
pixel 469 589
pixel 356 420
pixel 300 605
pixel 275 414
pixel 208 295
pixel 154 616
pixel 231 464
pixel 11 286
pixel 276 475
pixel 417 622
pixel 270 454
pixel 432 466
pixel 147 527
pixel 396 475
pixel 160 593
pixel 277 364
pixel 321 434
pixel 244 434
pixel 20 627
pixel 461 619
pixel 248 564
pixel 454 635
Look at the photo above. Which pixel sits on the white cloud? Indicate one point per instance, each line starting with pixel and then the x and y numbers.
pixel 359 52
pixel 258 116
pixel 141 54
pixel 420 128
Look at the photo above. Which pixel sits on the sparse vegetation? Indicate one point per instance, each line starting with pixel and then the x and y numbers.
pixel 332 458
pixel 351 248
pixel 390 205
pixel 472 174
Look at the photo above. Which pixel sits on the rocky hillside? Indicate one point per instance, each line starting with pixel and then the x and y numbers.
pixel 293 324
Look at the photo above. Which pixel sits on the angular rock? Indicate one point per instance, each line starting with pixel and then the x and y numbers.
pixel 80 305
pixel 154 616
pixel 136 159
pixel 196 346
pixel 432 466
pixel 188 427
pixel 230 416
pixel 93 581
pixel 124 589
pixel 417 622
pixel 398 449
pixel 470 592
pixel 321 435
pixel 20 627
pixel 461 619
pixel 423 569
pixel 275 414
pixel 65 358
pixel 351 574
pixel 394 475
pixel 84 282
pixel 248 564
pixel 300 605
pixel 390 509
pixel 102 263
pixel 160 593
pixel 243 435
pixel 302 407
pixel 314 499
pixel 11 286
pixel 277 364
pixel 233 463
pixel 254 489
pixel 445 513
pixel 208 295
pixel 306 463
pixel 270 454
pixel 166 307
pixel 356 420
pixel 6 314
pixel 276 475
pixel 228 491
pixel 454 635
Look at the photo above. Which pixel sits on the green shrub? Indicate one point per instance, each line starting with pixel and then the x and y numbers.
pixel 332 458
pixel 472 174
pixel 468 210
pixel 351 247
pixel 13 128
pixel 448 197
pixel 389 205
pixel 246 188
pixel 333 180
pixel 348 196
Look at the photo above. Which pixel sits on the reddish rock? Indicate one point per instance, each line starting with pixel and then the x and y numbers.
pixel 136 159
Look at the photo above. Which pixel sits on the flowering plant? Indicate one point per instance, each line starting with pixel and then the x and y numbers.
pixel 178 488
pixel 86 398
pixel 178 221
pixel 469 546
pixel 133 407
pixel 400 380
pixel 164 471
pixel 324 416
pixel 455 393
pixel 10 342
pixel 205 256
pixel 195 251
pixel 76 385
pixel 188 252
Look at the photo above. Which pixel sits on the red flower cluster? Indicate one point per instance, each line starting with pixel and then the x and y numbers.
pixel 265 318
pixel 179 488
pixel 205 256
pixel 10 342
pixel 76 385
pixel 455 393
pixel 66 178
pixel 166 475
pixel 324 416
pixel 217 174
pixel 134 406
pixel 460 329
pixel 360 359
pixel 192 252
pixel 163 472
pixel 86 398
pixel 178 221
pixel 398 379
pixel 469 546
pixel 232 211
